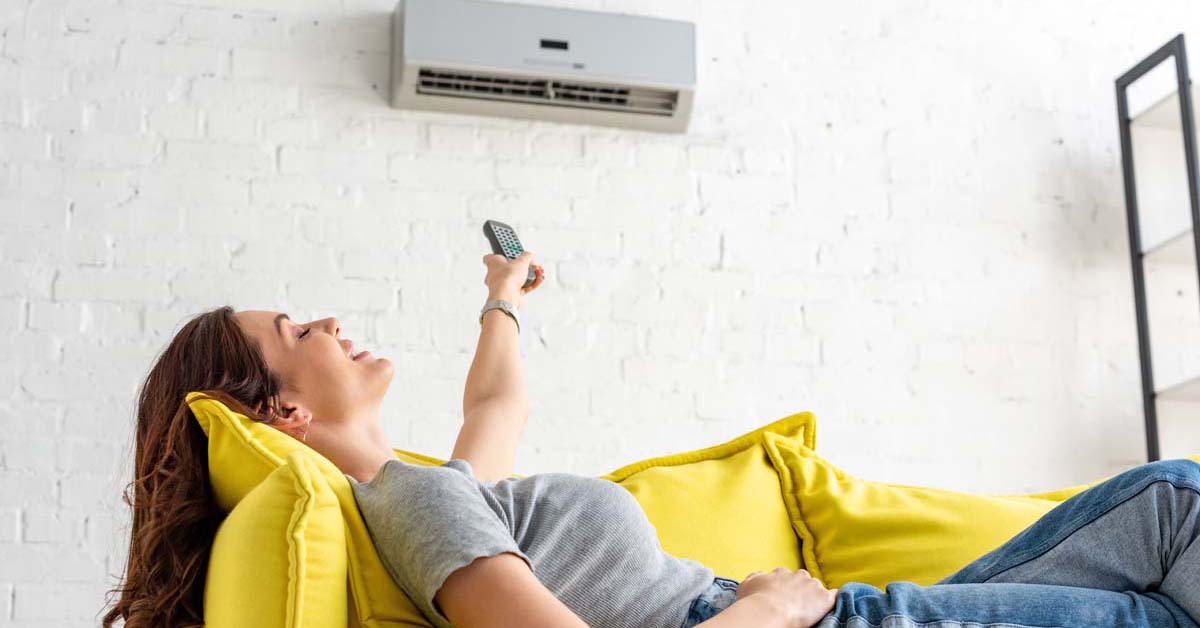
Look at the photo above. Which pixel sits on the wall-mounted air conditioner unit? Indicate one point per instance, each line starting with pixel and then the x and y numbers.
pixel 548 63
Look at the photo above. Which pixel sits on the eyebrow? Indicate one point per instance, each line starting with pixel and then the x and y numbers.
pixel 277 317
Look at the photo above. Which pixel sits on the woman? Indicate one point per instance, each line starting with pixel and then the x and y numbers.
pixel 477 548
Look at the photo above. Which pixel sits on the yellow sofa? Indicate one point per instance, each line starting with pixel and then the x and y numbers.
pixel 293 551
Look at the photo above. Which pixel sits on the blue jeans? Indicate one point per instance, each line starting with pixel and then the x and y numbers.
pixel 1125 552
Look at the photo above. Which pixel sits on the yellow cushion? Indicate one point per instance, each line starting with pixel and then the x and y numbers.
pixel 279 557
pixel 857 530
pixel 721 505
pixel 242 453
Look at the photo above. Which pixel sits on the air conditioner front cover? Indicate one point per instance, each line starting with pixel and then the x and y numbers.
pixel 492 58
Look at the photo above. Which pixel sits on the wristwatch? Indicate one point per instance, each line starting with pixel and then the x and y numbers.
pixel 501 304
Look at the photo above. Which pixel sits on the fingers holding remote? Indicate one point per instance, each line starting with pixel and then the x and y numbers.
pixel 510 278
pixel 540 275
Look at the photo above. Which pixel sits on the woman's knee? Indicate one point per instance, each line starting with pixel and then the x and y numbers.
pixel 1183 469
pixel 1180 472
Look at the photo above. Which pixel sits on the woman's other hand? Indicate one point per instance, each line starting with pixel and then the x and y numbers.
pixel 802 597
pixel 506 277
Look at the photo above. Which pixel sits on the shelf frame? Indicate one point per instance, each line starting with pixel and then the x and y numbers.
pixel 1172 49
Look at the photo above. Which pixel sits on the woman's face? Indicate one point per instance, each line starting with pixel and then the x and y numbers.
pixel 319 377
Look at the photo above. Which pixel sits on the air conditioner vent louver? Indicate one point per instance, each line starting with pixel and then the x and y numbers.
pixel 641 100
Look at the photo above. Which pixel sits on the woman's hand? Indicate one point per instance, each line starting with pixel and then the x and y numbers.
pixel 506 277
pixel 804 599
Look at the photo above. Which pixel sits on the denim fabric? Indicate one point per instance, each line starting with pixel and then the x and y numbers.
pixel 1123 553
pixel 717 597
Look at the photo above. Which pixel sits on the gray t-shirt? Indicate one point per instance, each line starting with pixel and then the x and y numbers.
pixel 586 539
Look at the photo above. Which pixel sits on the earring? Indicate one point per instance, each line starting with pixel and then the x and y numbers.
pixel 304 434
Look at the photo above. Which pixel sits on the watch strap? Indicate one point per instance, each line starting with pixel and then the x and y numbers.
pixel 505 306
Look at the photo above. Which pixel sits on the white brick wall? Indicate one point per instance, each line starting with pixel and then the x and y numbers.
pixel 906 218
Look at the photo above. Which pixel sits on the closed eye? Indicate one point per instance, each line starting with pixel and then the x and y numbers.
pixel 304 333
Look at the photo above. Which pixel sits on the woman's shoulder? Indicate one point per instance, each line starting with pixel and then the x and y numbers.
pixel 396 470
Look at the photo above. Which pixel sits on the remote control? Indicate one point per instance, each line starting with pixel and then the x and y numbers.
pixel 504 242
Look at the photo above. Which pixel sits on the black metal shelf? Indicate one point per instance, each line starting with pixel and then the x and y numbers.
pixel 1174 244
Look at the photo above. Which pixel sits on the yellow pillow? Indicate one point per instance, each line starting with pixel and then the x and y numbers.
pixel 279 557
pixel 722 505
pixel 856 530
pixel 242 453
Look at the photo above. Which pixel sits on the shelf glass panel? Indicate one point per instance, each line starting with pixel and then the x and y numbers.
pixel 1173 311
pixel 1177 249
pixel 1160 175
pixel 1164 114
pixel 1186 390
pixel 1178 428
pixel 1152 88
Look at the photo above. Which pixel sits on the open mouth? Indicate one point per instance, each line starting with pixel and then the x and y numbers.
pixel 355 355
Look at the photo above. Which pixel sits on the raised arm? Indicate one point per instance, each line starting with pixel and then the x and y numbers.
pixel 495 402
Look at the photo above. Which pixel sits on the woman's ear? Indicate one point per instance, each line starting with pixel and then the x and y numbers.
pixel 294 419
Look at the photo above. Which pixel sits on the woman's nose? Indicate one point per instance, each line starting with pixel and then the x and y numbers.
pixel 330 325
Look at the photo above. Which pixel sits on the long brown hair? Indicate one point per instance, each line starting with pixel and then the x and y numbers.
pixel 175 516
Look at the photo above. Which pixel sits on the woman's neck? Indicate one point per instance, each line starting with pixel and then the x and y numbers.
pixel 359 449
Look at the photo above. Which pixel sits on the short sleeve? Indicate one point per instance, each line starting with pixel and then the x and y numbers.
pixel 426 522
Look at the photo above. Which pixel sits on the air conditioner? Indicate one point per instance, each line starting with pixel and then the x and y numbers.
pixel 547 63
